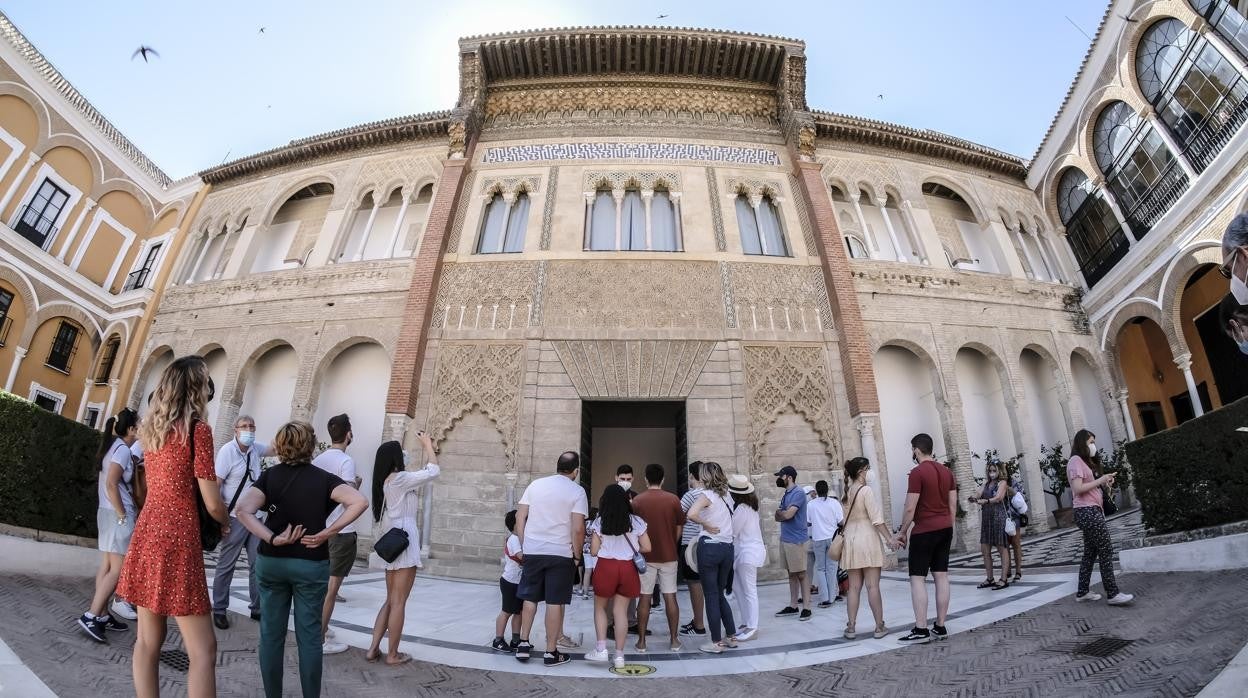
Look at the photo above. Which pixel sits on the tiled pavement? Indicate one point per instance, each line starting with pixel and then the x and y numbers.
pixel 1179 641
pixel 1065 546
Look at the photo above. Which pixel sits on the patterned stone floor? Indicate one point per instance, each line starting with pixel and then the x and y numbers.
pixel 1065 546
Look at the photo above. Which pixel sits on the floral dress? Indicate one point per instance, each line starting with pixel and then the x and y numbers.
pixel 992 517
pixel 164 569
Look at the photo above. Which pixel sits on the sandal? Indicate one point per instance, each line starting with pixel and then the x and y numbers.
pixel 402 658
pixel 1003 584
pixel 371 657
pixel 990 582
pixel 730 642
pixel 881 630
pixel 1018 576
pixel 566 642
pixel 850 633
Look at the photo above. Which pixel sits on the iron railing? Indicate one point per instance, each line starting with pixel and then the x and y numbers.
pixel 1146 210
pixel 1095 262
pixel 1206 141
pixel 136 279
pixel 35 226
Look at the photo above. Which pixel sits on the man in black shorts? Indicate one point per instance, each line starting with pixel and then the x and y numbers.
pixel 550 522
pixel 931 502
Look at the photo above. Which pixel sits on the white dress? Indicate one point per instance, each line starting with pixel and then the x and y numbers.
pixel 402 492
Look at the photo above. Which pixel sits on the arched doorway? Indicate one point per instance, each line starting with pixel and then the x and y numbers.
pixel 984 412
pixel 355 383
pixel 1157 392
pixel 156 366
pixel 217 366
pixel 907 407
pixel 270 390
pixel 1216 360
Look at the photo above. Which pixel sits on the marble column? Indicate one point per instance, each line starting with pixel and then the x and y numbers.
pixel 1126 415
pixel 19 353
pixel 1184 362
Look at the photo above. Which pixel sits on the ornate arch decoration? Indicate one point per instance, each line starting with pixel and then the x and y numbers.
pixel 210 347
pixel 244 369
pixel 98 355
pixel 1010 220
pixel 1103 382
pixel 486 377
pixel 80 146
pixel 270 209
pixel 1052 179
pixel 1130 309
pixel 327 360
pixel 1098 102
pixel 833 180
pixel 145 370
pixel 870 188
pixel 42 114
pixel 22 285
pixel 1179 270
pixel 962 190
pixel 55 309
pixel 177 205
pixel 779 378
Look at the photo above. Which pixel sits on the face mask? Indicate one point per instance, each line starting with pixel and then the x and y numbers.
pixel 625 484
pixel 1092 447
pixel 1243 346
pixel 1238 287
pixel 779 482
pixel 246 438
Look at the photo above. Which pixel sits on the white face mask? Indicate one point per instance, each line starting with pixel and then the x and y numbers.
pixel 1238 288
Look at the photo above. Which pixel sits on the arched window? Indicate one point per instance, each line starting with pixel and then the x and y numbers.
pixel 602 221
pixel 632 221
pixel 760 228
pixel 857 250
pixel 503 225
pixel 1142 173
pixel 1199 95
pixel 660 232
pixel 1227 20
pixel 1092 229
pixel 664 224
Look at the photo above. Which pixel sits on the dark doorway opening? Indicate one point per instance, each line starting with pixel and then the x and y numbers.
pixel 1228 364
pixel 634 432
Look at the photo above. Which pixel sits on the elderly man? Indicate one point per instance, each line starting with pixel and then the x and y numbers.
pixel 237 467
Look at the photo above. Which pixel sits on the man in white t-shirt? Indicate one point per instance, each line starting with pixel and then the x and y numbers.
pixel 342 546
pixel 237 466
pixel 550 522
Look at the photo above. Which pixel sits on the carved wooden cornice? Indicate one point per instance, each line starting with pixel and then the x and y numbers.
pixel 407 128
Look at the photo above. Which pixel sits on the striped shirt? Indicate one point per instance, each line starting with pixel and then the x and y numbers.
pixel 691 529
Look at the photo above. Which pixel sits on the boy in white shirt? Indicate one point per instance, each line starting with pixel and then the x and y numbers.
pixel 508 584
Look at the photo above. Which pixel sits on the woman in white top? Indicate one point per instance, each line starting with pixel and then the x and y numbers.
pixel 396 497
pixel 713 513
pixel 749 553
pixel 824 514
pixel 618 535
pixel 115 520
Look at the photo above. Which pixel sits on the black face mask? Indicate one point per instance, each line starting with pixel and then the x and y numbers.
pixel 780 482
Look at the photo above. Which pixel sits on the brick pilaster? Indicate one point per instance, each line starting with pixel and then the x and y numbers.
pixel 409 352
pixel 854 346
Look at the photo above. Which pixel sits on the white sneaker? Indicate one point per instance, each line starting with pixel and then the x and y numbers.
pixel 618 662
pixel 124 609
pixel 329 635
pixel 1120 599
pixel 1090 596
pixel 597 656
pixel 729 595
pixel 331 647
pixel 747 634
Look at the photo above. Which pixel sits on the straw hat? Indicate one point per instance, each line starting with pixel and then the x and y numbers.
pixel 740 484
pixel 691 554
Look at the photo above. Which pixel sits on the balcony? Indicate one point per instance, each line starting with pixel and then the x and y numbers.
pixel 1207 140
pixel 1148 206
pixel 35 226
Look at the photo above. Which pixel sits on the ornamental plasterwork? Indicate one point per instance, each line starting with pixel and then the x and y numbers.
pixel 632 294
pixel 755 188
pixel 481 375
pixel 485 296
pixel 876 175
pixel 803 218
pixel 780 297
pixel 623 97
pixel 386 175
pixel 461 212
pixel 619 180
pixel 633 368
pixel 780 378
pixel 548 208
pixel 717 213
pixel 512 185
pixel 580 151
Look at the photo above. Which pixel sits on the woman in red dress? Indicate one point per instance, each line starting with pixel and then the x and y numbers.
pixel 163 574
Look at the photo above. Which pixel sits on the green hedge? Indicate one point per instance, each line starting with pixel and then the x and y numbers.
pixel 1196 474
pixel 47 470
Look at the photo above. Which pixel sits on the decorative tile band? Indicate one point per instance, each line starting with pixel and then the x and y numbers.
pixel 632 151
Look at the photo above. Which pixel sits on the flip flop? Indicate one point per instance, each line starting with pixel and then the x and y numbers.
pixel 372 658
pixel 404 658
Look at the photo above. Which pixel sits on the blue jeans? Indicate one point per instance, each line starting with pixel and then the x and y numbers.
pixel 825 570
pixel 714 566
pixel 283 579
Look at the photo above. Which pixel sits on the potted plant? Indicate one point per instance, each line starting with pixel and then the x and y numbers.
pixel 1053 468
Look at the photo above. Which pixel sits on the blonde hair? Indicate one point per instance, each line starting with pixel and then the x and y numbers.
pixel 294 442
pixel 181 396
pixel 713 478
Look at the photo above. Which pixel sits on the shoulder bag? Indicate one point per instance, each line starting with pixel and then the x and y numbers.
pixel 241 485
pixel 837 547
pixel 209 528
pixel 639 560
pixel 1108 505
pixel 392 543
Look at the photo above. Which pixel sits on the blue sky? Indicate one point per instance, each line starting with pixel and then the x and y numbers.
pixel 991 72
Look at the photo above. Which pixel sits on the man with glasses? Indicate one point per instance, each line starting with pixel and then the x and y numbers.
pixel 237 467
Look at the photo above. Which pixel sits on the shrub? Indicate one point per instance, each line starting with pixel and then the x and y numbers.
pixel 1196 474
pixel 1053 468
pixel 47 471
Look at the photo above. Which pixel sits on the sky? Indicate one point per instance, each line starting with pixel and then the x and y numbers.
pixel 991 72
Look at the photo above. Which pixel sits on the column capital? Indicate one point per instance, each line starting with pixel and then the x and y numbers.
pixel 589 196
pixel 618 195
pixel 87 383
pixel 865 423
pixel 509 197
pixel 881 201
pixel 647 194
pixel 1123 395
pixel 114 382
pixel 1184 362
pixel 854 196
pixel 19 352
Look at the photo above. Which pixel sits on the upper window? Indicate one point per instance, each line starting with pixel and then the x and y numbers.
pixel 1142 173
pixel 760 227
pixel 1092 229
pixel 1199 95
pixel 640 221
pixel 139 277
pixel 1227 20
pixel 856 249
pixel 63 346
pixel 107 359
pixel 503 225
pixel 6 302
pixel 37 220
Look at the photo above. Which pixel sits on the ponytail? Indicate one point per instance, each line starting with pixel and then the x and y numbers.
pixel 115 428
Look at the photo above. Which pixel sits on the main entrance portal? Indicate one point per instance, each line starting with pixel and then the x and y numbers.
pixel 633 432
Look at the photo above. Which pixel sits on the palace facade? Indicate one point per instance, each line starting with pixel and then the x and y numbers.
pixel 644 244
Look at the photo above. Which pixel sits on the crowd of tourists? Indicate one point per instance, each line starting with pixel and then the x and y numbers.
pixel 165 498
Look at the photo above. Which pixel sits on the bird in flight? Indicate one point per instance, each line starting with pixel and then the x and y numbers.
pixel 880 96
pixel 661 17
pixel 144 51
pixel 261 30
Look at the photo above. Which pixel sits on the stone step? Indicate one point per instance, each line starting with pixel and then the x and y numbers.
pixel 461 569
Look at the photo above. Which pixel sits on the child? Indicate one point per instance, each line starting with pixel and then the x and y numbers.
pixel 590 560
pixel 508 584
pixel 617 536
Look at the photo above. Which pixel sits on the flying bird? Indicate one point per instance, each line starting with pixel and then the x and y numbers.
pixel 144 51
pixel 880 96
pixel 261 30
pixel 1124 17
pixel 661 17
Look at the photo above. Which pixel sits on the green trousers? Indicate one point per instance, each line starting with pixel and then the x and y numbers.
pixel 305 582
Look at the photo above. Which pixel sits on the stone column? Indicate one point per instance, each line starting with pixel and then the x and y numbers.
pixel 873 247
pixel 199 260
pixel 398 224
pixel 112 396
pixel 1126 415
pixel 88 207
pixel 929 239
pixel 1054 271
pixel 82 404
pixel 18 354
pixel 755 202
pixel 680 233
pixel 509 201
pixel 892 233
pixel 368 229
pixel 618 196
pixel 1184 362
pixel 646 197
pixel 1173 145
pixel 1018 233
pixel 1102 188
pixel 589 217
pixel 31 159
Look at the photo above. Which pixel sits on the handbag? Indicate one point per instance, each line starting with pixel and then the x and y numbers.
pixel 639 560
pixel 1019 502
pixel 1108 505
pixel 209 528
pixel 837 547
pixel 1010 527
pixel 392 543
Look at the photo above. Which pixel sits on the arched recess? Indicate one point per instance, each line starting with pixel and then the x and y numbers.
pixel 1217 365
pixel 141 198
pixel 963 227
pixel 218 368
pixel 1046 395
pixel 353 380
pixel 986 405
pixel 1092 398
pixel 106 362
pixel 149 376
pixel 83 149
pixel 37 107
pixel 470 498
pixel 1128 310
pixel 292 230
pixel 268 388
pixel 911 402
pixel 1157 392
